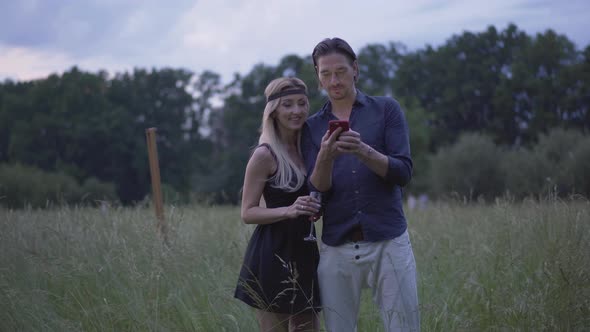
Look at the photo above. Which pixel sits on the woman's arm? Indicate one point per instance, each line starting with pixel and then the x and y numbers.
pixel 260 166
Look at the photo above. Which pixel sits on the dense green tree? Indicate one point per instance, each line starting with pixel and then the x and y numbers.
pixel 52 123
pixel 235 128
pixel 13 110
pixel 506 85
pixel 574 80
pixel 158 99
pixel 457 82
pixel 88 125
pixel 207 90
pixel 377 68
pixel 536 91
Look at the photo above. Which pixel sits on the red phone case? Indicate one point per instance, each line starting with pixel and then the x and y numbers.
pixel 333 124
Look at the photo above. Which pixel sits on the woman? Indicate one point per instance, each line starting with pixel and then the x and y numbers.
pixel 278 276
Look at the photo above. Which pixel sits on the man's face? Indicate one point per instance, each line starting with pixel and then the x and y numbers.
pixel 336 75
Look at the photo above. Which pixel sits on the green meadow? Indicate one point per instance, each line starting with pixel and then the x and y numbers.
pixel 502 266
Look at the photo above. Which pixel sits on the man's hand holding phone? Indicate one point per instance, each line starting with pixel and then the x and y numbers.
pixel 329 148
pixel 347 140
pixel 344 140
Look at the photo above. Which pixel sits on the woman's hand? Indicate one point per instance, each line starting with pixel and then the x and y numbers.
pixel 303 206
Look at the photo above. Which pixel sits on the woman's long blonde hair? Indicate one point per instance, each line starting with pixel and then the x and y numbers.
pixel 288 176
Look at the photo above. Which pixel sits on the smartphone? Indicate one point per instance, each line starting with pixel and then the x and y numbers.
pixel 334 124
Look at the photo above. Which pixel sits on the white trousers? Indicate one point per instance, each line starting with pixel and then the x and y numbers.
pixel 387 267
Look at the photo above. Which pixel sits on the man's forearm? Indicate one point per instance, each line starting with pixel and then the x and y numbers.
pixel 374 160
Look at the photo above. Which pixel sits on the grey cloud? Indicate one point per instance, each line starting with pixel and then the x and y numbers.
pixel 83 28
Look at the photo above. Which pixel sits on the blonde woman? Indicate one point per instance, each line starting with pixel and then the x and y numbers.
pixel 278 276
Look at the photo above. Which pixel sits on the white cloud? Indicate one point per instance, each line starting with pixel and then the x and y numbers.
pixel 24 64
pixel 20 63
pixel 230 36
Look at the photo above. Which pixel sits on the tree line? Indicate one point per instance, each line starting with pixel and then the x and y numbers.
pixel 505 85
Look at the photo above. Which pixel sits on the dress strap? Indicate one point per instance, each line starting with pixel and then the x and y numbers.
pixel 266 145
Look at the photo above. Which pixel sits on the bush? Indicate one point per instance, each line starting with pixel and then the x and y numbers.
pixel 173 196
pixel 558 144
pixel 22 186
pixel 93 190
pixel 557 147
pixel 470 168
pixel 526 173
pixel 576 167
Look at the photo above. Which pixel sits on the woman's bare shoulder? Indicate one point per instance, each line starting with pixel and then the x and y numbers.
pixel 263 157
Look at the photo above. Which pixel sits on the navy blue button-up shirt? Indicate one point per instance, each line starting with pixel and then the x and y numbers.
pixel 358 196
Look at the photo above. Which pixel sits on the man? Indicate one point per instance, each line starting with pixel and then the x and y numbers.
pixel 365 242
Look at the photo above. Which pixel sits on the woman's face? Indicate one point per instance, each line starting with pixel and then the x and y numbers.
pixel 292 112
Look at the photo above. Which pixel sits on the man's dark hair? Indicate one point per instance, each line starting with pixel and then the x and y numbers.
pixel 332 45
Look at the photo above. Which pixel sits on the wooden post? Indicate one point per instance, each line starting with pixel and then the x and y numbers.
pixel 156 188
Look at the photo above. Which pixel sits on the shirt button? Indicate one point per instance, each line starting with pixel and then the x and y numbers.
pixel 359 212
pixel 356 191
pixel 356 246
pixel 357 257
pixel 353 171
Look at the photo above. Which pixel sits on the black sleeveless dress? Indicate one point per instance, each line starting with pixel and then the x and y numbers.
pixel 279 270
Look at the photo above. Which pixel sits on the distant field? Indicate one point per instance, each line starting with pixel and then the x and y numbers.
pixel 498 267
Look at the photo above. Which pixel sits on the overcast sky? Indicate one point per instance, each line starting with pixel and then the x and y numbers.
pixel 40 37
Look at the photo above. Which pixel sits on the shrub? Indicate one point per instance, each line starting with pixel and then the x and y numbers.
pixel 470 168
pixel 93 190
pixel 22 186
pixel 575 169
pixel 526 173
pixel 557 147
pixel 558 144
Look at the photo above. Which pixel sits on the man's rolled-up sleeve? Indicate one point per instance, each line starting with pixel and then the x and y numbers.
pixel 397 145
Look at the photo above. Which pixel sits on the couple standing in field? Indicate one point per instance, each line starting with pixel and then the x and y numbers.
pixel 359 173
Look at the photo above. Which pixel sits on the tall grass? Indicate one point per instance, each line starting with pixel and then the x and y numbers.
pixel 503 266
pixel 508 267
